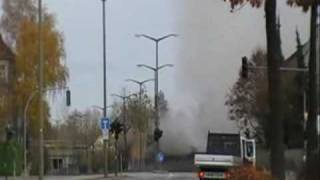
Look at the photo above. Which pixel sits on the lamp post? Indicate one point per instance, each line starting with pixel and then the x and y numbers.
pixel 25 111
pixel 41 104
pixel 125 128
pixel 156 70
pixel 105 143
pixel 156 90
pixel 101 108
pixel 140 83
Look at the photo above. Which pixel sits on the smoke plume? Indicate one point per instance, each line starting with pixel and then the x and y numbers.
pixel 212 42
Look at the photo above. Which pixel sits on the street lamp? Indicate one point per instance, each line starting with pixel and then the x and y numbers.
pixel 41 104
pixel 140 83
pixel 124 116
pixel 101 108
pixel 104 85
pixel 156 70
pixel 25 111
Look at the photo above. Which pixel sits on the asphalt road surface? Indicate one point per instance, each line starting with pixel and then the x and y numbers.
pixel 125 176
pixel 158 176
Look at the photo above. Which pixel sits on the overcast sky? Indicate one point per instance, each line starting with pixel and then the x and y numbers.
pixel 207 53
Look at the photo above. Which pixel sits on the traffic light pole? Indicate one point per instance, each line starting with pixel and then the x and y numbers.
pixel 245 68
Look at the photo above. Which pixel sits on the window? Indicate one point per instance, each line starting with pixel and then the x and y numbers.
pixel 2 101
pixel 3 72
pixel 249 149
pixel 57 163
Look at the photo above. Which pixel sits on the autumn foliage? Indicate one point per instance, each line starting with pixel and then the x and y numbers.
pixel 305 4
pixel 254 3
pixel 249 172
pixel 27 64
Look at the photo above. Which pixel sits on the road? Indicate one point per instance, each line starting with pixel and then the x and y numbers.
pixel 158 176
pixel 126 176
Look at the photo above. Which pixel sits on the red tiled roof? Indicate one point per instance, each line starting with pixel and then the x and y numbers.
pixel 5 51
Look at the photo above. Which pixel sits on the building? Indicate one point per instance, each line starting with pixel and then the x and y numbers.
pixel 7 63
pixel 65 159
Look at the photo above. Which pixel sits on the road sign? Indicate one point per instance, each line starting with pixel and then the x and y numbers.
pixel 105 123
pixel 160 157
pixel 105 134
pixel 105 126
pixel 318 124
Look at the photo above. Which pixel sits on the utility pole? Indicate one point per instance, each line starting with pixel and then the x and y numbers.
pixel 156 79
pixel 41 104
pixel 105 142
pixel 140 83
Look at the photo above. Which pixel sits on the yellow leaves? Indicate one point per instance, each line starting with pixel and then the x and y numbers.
pixel 27 60
pixel 248 172
pixel 254 3
pixel 305 4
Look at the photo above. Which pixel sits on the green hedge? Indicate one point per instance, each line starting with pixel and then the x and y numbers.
pixel 11 157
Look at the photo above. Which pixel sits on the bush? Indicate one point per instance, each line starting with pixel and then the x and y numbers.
pixel 249 173
pixel 11 158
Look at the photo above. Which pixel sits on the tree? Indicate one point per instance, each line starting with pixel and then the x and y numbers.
pixel 81 128
pixel 311 131
pixel 13 14
pixel 55 75
pixel 275 101
pixel 163 104
pixel 5 107
pixel 140 113
pixel 248 100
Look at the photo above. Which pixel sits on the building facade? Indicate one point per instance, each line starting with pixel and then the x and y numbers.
pixel 7 63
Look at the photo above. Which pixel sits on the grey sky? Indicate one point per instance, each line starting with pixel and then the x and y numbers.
pixel 206 55
pixel 80 20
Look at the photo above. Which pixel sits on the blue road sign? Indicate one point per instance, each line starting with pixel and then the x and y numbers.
pixel 160 157
pixel 105 123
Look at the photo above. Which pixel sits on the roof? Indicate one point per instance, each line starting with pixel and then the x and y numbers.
pixel 293 58
pixel 5 51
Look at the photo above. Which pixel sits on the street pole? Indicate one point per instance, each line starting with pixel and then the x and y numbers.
pixel 140 83
pixel 25 119
pixel 25 132
pixel 41 104
pixel 156 91
pixel 156 82
pixel 105 142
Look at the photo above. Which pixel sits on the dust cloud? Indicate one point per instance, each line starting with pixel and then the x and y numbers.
pixel 212 42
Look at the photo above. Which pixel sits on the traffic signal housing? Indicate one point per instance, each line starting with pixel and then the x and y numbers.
pixel 68 97
pixel 157 134
pixel 116 128
pixel 245 68
pixel 9 133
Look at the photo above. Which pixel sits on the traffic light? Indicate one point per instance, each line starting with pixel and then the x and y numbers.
pixel 244 69
pixel 116 128
pixel 9 133
pixel 68 97
pixel 157 134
